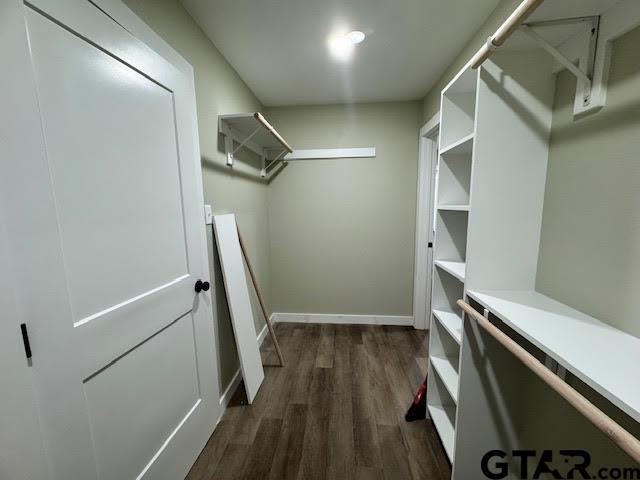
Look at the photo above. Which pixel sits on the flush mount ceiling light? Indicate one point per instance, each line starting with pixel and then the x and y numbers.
pixel 356 36
pixel 342 45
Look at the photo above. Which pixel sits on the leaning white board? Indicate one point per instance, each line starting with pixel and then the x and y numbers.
pixel 235 283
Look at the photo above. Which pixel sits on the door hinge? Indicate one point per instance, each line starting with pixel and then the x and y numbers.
pixel 25 340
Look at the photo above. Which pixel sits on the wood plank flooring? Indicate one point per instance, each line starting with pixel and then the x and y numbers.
pixel 336 411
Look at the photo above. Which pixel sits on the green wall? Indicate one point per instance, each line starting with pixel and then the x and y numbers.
pixel 342 231
pixel 219 90
pixel 590 242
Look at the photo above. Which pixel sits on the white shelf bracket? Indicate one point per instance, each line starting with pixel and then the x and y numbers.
pixel 584 80
pixel 263 164
pixel 273 162
pixel 593 49
pixel 228 147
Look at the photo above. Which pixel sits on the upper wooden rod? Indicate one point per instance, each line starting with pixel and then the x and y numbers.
pixel 620 436
pixel 519 15
pixel 258 116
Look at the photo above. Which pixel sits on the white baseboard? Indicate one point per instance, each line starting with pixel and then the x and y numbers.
pixel 263 334
pixel 344 319
pixel 225 398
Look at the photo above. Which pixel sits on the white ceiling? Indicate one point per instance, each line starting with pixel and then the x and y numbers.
pixel 279 46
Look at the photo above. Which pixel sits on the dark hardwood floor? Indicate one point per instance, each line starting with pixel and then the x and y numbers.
pixel 336 411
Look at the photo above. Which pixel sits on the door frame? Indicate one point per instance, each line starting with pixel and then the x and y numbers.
pixel 425 214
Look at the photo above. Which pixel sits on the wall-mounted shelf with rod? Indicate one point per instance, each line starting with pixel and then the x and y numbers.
pixel 252 131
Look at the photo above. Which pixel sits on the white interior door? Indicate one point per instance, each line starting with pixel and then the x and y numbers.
pixel 106 233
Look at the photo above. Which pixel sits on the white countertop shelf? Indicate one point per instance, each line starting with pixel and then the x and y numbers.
pixel 457 269
pixel 451 322
pixel 445 369
pixel 605 358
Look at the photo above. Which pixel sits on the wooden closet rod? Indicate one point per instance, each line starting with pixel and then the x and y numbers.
pixel 258 116
pixel 519 15
pixel 622 438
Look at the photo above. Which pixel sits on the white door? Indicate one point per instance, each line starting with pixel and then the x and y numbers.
pixel 106 232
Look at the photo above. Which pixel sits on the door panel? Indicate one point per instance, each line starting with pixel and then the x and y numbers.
pixel 107 127
pixel 108 225
pixel 157 387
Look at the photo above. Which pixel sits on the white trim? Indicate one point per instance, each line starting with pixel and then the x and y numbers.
pixel 326 153
pixel 343 319
pixel 429 127
pixel 425 199
pixel 263 334
pixel 225 398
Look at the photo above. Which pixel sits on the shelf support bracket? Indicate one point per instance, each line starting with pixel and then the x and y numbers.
pixel 229 145
pixel 277 159
pixel 564 61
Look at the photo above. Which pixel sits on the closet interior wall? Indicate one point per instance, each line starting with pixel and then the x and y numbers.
pixel 342 231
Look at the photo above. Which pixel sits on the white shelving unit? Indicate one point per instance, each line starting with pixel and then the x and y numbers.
pixel 495 128
pixel 252 131
pixel 457 131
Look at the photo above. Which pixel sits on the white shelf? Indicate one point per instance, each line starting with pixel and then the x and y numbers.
pixel 447 373
pixel 252 131
pixel 451 322
pixel 247 124
pixel 454 208
pixel 441 419
pixel 464 146
pixel 603 357
pixel 457 269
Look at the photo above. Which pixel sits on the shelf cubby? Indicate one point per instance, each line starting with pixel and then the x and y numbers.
pixel 451 235
pixel 458 111
pixel 447 290
pixel 454 176
pixel 448 373
pixel 442 411
pixel 451 322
